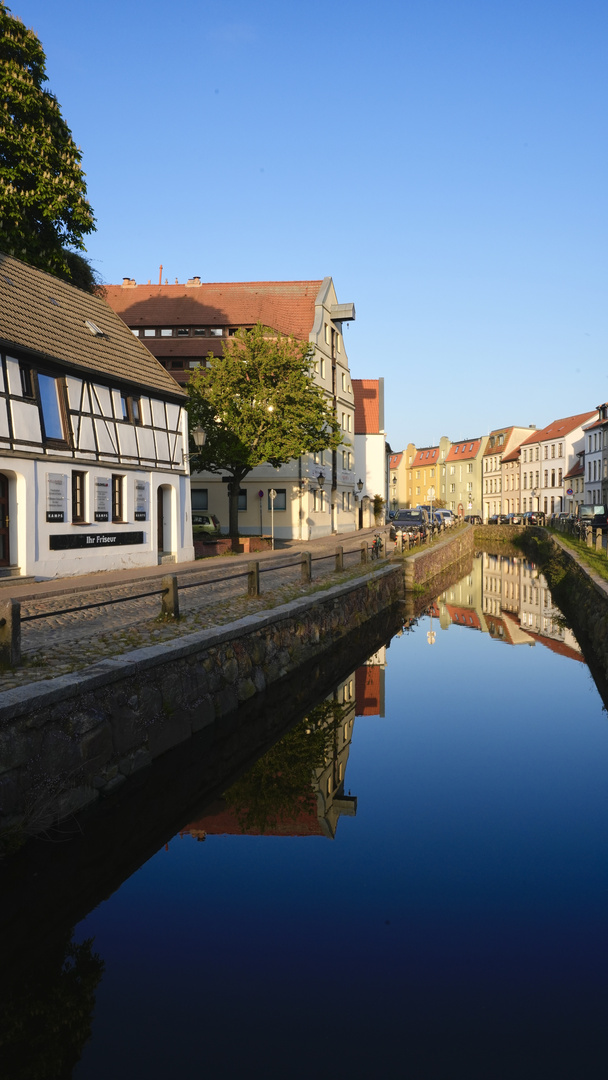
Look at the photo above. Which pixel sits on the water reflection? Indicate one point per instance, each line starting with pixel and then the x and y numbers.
pixel 461 899
pixel 509 599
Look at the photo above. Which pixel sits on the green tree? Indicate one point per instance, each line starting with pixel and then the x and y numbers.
pixel 43 205
pixel 258 402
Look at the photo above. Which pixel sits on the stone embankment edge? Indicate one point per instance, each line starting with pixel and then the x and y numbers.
pixel 21 700
pixel 422 567
pixel 63 744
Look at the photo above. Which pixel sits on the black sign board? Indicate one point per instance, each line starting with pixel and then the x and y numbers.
pixel 101 515
pixel 94 540
pixel 55 515
pixel 140 515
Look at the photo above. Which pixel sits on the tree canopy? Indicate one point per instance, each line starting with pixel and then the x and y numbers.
pixel 258 403
pixel 43 205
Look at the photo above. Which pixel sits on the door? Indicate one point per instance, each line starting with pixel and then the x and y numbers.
pixel 4 522
pixel 160 519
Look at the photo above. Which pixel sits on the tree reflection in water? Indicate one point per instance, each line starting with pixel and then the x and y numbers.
pixel 46 1019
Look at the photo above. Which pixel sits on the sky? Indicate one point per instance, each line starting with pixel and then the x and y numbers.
pixel 444 162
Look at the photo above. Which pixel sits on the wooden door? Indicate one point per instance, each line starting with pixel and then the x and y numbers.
pixel 4 523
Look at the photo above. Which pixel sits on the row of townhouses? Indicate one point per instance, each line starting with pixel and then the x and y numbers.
pixel 94 468
pixel 511 470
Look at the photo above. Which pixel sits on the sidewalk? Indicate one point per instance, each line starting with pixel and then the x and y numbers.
pixel 112 616
pixel 105 579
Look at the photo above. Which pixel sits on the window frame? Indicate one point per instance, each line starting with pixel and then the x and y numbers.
pixel 118 507
pixel 64 443
pixel 79 497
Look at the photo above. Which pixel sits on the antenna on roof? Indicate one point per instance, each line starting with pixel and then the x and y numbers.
pixel 160 274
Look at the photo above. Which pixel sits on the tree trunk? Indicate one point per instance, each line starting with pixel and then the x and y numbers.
pixel 234 486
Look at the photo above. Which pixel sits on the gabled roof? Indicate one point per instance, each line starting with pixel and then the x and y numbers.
pixel 286 306
pixel 559 428
pixel 41 315
pixel 511 456
pixel 576 470
pixel 429 455
pixel 505 432
pixel 395 460
pixel 463 616
pixel 366 393
pixel 465 449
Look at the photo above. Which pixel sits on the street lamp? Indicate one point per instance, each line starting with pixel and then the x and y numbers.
pixel 199 435
pixel 359 485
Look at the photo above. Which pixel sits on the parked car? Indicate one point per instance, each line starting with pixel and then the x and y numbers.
pixel 473 519
pixel 447 517
pixel 204 525
pixel 514 519
pixel 533 517
pixel 410 521
pixel 498 519
pixel 595 516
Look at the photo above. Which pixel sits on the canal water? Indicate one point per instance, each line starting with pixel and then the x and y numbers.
pixel 412 882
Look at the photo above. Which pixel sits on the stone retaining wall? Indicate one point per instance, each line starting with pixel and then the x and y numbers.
pixel 427 563
pixel 64 741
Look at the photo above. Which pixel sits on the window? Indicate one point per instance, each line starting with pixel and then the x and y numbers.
pixel 470 467
pixel 280 502
pixel 343 381
pixel 78 497
pixel 537 452
pixel 216 331
pixel 149 332
pixel 317 500
pixel 350 422
pixel 51 405
pixel 130 409
pixel 452 470
pixel 183 331
pixel 546 452
pixel 343 421
pixel 242 499
pixel 27 383
pixel 560 450
pixel 452 488
pixel 166 332
pixel 200 499
pixel 117 507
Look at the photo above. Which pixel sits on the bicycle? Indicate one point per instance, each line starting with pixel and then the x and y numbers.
pixel 377 547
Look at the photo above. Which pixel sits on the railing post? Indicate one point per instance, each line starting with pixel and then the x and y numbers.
pixel 253 579
pixel 405 541
pixel 306 566
pixel 589 536
pixel 169 603
pixel 364 551
pixel 10 633
pixel 339 557
pixel 598 540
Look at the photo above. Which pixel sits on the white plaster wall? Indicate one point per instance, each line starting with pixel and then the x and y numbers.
pixel 29 532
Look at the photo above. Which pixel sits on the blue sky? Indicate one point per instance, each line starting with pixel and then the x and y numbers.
pixel 445 162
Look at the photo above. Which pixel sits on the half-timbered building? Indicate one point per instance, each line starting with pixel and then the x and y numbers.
pixel 93 436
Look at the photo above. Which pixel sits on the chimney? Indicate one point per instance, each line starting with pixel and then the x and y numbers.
pixel 193 282
pixel 160 274
pixel 128 282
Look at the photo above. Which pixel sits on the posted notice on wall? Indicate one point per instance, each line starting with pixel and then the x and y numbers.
pixel 102 498
pixel 141 500
pixel 56 496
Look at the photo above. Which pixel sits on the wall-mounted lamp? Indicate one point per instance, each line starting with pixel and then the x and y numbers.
pixel 360 485
pixel 320 480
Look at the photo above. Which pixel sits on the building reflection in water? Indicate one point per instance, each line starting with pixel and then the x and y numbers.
pixel 298 787
pixel 510 600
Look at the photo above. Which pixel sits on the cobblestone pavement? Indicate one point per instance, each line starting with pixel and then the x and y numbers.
pixel 60 643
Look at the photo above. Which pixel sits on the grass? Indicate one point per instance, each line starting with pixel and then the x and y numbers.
pixel 595 560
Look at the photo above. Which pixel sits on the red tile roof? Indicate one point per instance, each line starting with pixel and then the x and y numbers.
pixel 286 306
pixel 576 470
pixel 222 820
pixel 429 455
pixel 498 431
pixel 465 449
pixel 367 690
pixel 395 460
pixel 366 393
pixel 559 428
pixel 463 617
pixel 511 456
